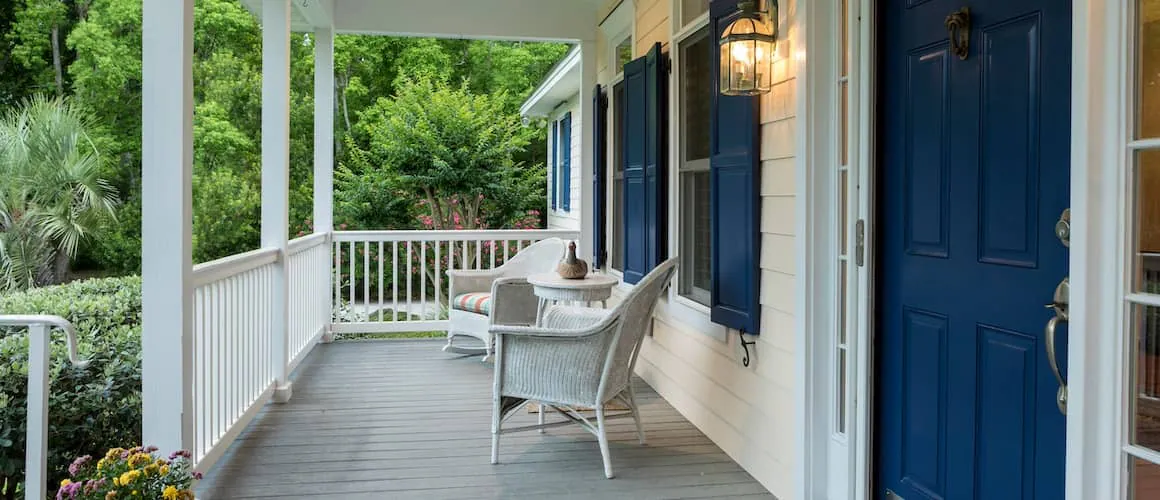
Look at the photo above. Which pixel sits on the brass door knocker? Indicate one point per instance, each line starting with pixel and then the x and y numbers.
pixel 959 31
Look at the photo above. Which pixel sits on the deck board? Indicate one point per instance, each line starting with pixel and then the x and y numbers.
pixel 401 419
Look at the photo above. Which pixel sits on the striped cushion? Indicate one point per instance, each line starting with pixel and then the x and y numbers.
pixel 477 302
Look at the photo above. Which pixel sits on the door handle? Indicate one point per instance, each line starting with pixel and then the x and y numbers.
pixel 1061 394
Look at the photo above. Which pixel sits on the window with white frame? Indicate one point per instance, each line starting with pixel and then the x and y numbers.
pixel 694 119
pixel 622 55
pixel 1143 299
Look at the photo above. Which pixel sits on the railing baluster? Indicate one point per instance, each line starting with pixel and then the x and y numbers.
pixel 353 260
pixel 380 280
pixel 463 263
pixel 367 276
pixel 438 277
pixel 423 279
pixel 337 277
pixel 410 271
pixel 478 255
pixel 395 281
pixel 506 247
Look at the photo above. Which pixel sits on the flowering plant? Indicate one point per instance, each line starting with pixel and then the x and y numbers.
pixel 130 473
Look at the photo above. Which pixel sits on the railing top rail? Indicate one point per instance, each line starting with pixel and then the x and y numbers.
pixel 29 320
pixel 212 272
pixel 299 245
pixel 456 235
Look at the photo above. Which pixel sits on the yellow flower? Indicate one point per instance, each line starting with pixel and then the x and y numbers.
pixel 129 477
pixel 116 481
pixel 150 469
pixel 110 495
pixel 65 482
pixel 140 459
pixel 185 495
pixel 164 470
pixel 114 453
pixel 136 493
pixel 170 493
pixel 101 463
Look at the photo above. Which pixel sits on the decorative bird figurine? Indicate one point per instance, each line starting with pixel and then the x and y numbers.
pixel 571 267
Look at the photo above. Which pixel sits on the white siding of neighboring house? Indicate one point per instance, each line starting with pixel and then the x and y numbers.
pixel 558 218
pixel 749 412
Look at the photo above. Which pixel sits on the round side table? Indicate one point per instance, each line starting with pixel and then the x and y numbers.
pixel 550 287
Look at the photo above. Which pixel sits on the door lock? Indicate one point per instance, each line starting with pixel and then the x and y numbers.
pixel 1063 228
pixel 1059 304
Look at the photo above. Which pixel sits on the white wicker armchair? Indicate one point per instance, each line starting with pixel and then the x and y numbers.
pixel 578 358
pixel 474 305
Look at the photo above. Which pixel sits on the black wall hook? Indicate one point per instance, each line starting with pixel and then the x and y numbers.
pixel 745 345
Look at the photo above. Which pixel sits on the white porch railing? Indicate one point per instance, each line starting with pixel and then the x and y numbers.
pixel 394 281
pixel 233 373
pixel 309 282
pixel 36 433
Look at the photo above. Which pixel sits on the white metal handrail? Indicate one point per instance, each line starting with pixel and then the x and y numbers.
pixel 36 437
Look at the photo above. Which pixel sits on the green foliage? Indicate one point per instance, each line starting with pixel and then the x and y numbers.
pixel 52 194
pixel 92 408
pixel 224 206
pixel 456 149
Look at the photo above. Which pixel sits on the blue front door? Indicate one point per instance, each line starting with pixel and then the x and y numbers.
pixel 974 162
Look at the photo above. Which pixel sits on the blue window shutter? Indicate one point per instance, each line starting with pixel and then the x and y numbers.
pixel 599 177
pixel 735 204
pixel 552 161
pixel 645 164
pixel 566 168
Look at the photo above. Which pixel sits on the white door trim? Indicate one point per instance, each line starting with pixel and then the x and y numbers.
pixel 1096 347
pixel 1099 48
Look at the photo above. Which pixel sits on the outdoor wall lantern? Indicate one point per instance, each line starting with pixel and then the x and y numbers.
pixel 747 48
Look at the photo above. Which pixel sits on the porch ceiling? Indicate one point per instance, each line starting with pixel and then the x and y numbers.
pixel 556 20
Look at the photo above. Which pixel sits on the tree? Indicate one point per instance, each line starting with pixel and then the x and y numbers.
pixel 52 195
pixel 456 149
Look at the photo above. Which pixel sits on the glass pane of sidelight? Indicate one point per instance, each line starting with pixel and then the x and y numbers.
pixel 1147 214
pixel 842 287
pixel 844 124
pixel 1148 70
pixel 1145 358
pixel 1145 479
pixel 695 236
pixel 843 22
pixel 843 216
pixel 841 402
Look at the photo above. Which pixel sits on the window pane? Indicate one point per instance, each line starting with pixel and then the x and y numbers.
pixel 1145 477
pixel 1147 202
pixel 696 95
pixel 1148 70
pixel 616 240
pixel 844 228
pixel 844 125
pixel 841 391
pixel 695 273
pixel 1145 356
pixel 842 286
pixel 691 9
pixel 623 54
pixel 618 127
pixel 843 8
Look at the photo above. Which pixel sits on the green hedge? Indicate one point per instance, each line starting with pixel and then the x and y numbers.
pixel 91 409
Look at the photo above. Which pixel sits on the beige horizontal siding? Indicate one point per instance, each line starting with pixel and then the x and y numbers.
pixel 749 412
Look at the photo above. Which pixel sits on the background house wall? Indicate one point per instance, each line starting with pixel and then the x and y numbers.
pixel 558 218
pixel 749 412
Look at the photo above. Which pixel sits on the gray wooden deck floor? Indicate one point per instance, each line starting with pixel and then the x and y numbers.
pixel 400 419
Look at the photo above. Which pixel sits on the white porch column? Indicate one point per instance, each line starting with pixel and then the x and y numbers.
pixel 167 223
pixel 276 172
pixel 323 130
pixel 588 57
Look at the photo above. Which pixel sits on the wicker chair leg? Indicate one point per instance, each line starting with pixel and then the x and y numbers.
pixel 496 422
pixel 635 414
pixel 602 436
pixel 542 410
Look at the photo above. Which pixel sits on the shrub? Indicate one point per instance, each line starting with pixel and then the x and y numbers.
pixel 91 409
